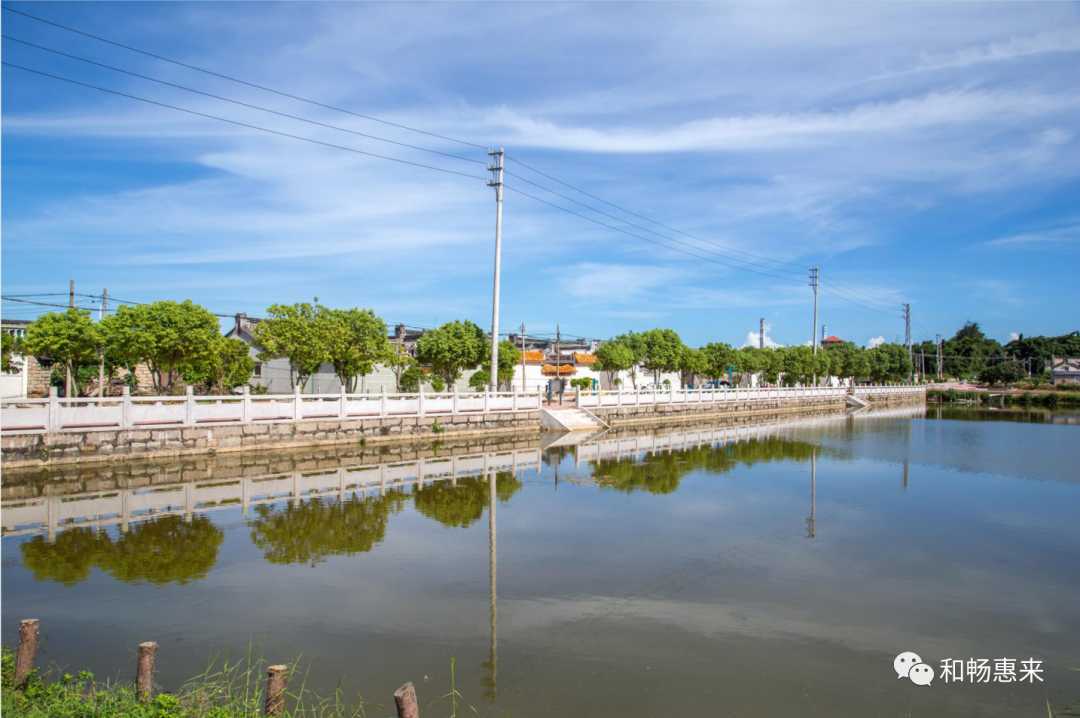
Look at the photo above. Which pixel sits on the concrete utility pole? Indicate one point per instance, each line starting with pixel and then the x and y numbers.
pixel 496 181
pixel 523 387
pixel 907 333
pixel 101 367
pixel 558 359
pixel 937 354
pixel 67 367
pixel 813 335
pixel 761 334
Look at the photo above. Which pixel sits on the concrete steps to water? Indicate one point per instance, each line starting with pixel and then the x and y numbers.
pixel 570 419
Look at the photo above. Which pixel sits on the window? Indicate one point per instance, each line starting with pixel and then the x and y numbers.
pixel 258 370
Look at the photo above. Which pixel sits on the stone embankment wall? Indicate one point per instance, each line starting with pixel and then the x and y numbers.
pixel 34 449
pixel 895 399
pixel 676 413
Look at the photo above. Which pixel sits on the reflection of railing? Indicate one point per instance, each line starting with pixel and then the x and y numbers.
pixel 34 416
pixel 885 390
pixel 693 397
pixel 123 506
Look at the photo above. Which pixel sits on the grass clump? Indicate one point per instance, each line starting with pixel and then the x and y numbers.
pixel 226 689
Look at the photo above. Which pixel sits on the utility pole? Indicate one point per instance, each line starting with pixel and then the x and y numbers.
pixel 496 181
pixel 937 354
pixel 67 367
pixel 558 359
pixel 813 335
pixel 907 332
pixel 101 367
pixel 761 334
pixel 523 387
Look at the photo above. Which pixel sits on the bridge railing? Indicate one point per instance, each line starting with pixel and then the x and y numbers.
pixel 882 389
pixel 589 399
pixel 35 416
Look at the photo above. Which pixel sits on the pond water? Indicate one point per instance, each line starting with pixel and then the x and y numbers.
pixel 763 570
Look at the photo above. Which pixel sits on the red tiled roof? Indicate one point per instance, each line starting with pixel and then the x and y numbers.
pixel 836 340
pixel 551 370
pixel 583 358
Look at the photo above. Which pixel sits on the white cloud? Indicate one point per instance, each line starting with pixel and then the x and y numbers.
pixel 753 339
pixel 874 342
pixel 1048 238
pixel 1011 49
pixel 1013 336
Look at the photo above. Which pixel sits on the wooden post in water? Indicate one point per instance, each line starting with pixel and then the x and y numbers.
pixel 144 679
pixel 24 661
pixel 405 698
pixel 277 678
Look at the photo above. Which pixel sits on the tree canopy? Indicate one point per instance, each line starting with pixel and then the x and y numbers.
pixel 355 341
pixel 171 338
pixel 451 349
pixel 68 337
pixel 293 331
pixel 462 505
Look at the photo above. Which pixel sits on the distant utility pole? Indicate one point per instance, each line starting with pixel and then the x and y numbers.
pixel 101 367
pixel 523 388
pixel 558 359
pixel 907 331
pixel 937 358
pixel 813 334
pixel 496 181
pixel 761 334
pixel 67 367
pixel 814 284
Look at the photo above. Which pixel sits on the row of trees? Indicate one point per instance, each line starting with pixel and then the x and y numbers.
pixel 969 353
pixel 181 344
pixel 662 350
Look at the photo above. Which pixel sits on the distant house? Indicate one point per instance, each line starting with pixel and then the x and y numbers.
pixel 1064 370
pixel 831 342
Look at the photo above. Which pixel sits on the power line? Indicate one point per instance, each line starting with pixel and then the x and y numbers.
pixel 639 216
pixel 646 239
pixel 864 306
pixel 244 104
pixel 241 124
pixel 864 294
pixel 646 229
pixel 242 82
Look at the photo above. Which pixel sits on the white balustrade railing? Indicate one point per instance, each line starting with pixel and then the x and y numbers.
pixel 35 416
pixel 647 397
pixel 881 389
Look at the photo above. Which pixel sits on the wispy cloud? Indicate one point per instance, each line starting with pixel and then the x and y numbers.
pixel 1046 238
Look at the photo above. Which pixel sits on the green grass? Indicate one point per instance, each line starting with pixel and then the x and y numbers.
pixel 226 689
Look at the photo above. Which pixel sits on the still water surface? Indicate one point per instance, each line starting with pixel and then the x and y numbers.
pixel 757 572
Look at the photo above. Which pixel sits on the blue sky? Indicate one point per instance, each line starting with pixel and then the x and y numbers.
pixel 919 152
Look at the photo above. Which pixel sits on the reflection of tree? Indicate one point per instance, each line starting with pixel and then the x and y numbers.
pixel 164 550
pixel 310 531
pixel 661 473
pixel 68 560
pixel 460 506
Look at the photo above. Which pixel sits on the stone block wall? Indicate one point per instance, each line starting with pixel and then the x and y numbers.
pixel 673 413
pixel 67 447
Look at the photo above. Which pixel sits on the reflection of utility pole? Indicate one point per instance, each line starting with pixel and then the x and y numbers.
pixel 491 681
pixel 810 528
pixel 906 463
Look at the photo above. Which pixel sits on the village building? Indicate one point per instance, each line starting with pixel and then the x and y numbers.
pixel 1064 370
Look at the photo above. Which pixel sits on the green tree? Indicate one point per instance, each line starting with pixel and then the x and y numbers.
pixel 773 361
pixel 717 358
pixel 68 337
pixel 293 331
pixel 889 362
pixel 750 361
pixel 823 365
pixel 1039 349
pixel 313 530
pixel 355 342
pixel 400 362
pixel 171 338
pixel 798 365
pixel 1003 373
pixel 451 349
pixel 410 379
pixel 969 350
pixel 613 357
pixel 462 505
pixel 10 345
pixel 509 357
pixel 662 349
pixel 692 364
pixel 227 366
